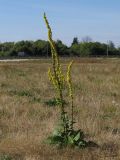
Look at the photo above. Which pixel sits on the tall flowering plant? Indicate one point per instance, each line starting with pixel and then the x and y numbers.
pixel 65 135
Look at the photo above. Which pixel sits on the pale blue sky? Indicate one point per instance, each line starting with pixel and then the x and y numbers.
pixel 22 19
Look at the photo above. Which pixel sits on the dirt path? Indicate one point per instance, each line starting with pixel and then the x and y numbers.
pixel 16 60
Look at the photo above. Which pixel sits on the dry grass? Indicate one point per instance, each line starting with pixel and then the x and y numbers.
pixel 25 120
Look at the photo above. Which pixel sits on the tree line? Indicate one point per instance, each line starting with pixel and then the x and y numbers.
pixel 41 48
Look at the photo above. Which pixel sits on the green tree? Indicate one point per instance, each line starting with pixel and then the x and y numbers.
pixel 23 46
pixel 61 48
pixel 75 41
pixel 41 48
pixel 111 45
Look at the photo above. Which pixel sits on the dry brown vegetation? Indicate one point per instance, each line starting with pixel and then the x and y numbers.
pixel 25 120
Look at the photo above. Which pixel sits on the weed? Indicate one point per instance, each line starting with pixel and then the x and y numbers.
pixel 55 102
pixel 21 93
pixel 5 157
pixel 72 138
pixel 65 135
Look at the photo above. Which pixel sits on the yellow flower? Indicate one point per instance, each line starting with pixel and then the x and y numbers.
pixel 69 81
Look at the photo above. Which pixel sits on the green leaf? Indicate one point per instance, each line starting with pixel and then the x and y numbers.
pixel 56 132
pixel 55 140
pixel 77 137
pixel 70 140
pixel 82 144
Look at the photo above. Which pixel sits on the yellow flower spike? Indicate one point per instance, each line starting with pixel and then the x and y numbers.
pixel 56 76
pixel 69 81
pixel 52 78
pixel 53 48
pixel 49 74
pixel 70 90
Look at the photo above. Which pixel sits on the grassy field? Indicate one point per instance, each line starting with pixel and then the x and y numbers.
pixel 25 120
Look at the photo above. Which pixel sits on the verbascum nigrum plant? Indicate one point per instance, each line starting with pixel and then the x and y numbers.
pixel 65 134
pixel 55 74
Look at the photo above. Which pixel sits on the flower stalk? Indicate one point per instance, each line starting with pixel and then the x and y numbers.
pixel 55 74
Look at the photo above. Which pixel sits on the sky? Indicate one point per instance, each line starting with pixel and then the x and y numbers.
pixel 23 20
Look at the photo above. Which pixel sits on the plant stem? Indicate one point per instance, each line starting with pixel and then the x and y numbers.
pixel 72 113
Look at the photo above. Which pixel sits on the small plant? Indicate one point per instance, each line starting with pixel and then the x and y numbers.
pixel 5 157
pixel 54 102
pixel 72 138
pixel 21 93
pixel 65 134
